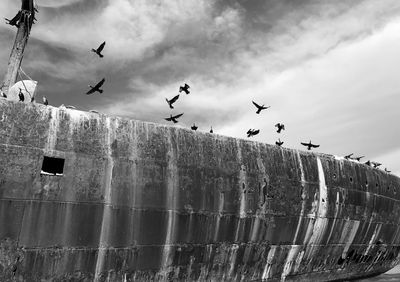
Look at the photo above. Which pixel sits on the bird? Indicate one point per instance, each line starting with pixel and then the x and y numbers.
pixel 21 96
pixel 211 130
pixel 45 101
pixel 309 145
pixel 359 158
pixel 184 88
pixel 279 142
pixel 94 111
pixel 2 94
pixel 15 20
pixel 386 170
pixel 375 164
pixel 260 108
pixel 99 49
pixel 194 127
pixel 368 163
pixel 70 107
pixel 252 132
pixel 96 87
pixel 280 127
pixel 348 156
pixel 174 119
pixel 173 100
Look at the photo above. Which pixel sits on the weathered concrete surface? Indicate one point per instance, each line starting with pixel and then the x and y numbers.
pixel 145 201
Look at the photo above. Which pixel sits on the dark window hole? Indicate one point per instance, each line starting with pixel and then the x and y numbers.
pixel 53 166
pixel 351 179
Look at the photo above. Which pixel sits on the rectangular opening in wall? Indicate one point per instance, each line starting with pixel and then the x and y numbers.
pixel 52 166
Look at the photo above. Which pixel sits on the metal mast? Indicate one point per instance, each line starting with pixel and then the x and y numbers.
pixel 26 17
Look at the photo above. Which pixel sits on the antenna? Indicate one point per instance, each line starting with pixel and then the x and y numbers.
pixel 27 16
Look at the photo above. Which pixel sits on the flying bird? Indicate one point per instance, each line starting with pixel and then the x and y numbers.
pixel 375 164
pixel 15 20
pixel 194 127
pixel 21 96
pixel 173 100
pixel 309 145
pixel 45 101
pixel 174 119
pixel 252 132
pixel 260 108
pixel 280 127
pixel 348 156
pixel 99 49
pixel 184 88
pixel 359 158
pixel 96 87
pixel 211 130
pixel 279 142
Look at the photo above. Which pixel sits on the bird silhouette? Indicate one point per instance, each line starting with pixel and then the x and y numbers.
pixel 387 171
pixel 21 95
pixel 348 156
pixel 194 127
pixel 211 130
pixel 368 163
pixel 309 145
pixel 358 158
pixel 173 100
pixel 94 111
pixel 280 127
pixel 252 132
pixel 45 101
pixel 260 108
pixel 279 142
pixel 184 88
pixel 99 49
pixel 15 20
pixel 174 119
pixel 375 164
pixel 96 87
pixel 2 94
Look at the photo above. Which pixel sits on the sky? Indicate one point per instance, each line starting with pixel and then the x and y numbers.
pixel 328 69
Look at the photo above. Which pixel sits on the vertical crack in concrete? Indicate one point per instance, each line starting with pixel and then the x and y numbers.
pixel 106 219
pixel 53 129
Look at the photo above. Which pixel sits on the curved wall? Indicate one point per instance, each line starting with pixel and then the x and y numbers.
pixel 144 201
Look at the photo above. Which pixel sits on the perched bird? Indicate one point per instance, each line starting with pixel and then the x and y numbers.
pixel 2 94
pixel 279 142
pixel 173 100
pixel 21 96
pixel 99 49
pixel 359 158
pixel 96 87
pixel 15 20
pixel 184 88
pixel 211 130
pixel 309 145
pixel 174 119
pixel 387 171
pixel 194 127
pixel 252 132
pixel 45 101
pixel 280 127
pixel 368 163
pixel 260 108
pixel 348 156
pixel 375 164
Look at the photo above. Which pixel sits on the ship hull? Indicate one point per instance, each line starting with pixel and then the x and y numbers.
pixel 141 201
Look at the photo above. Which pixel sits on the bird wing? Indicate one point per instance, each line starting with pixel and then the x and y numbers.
pixel 257 105
pixel 168 119
pixel 314 146
pixel 91 91
pixel 98 85
pixel 256 131
pixel 173 100
pixel 304 144
pixel 187 86
pixel 101 47
pixel 177 116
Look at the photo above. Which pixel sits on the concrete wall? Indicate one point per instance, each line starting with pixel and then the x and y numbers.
pixel 144 201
